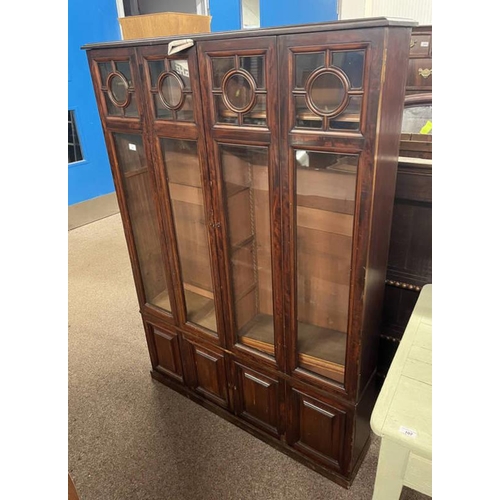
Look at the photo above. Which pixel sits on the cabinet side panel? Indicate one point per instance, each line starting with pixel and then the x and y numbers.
pixel 362 430
pixel 386 158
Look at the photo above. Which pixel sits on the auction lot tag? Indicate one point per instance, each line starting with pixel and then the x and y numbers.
pixel 408 432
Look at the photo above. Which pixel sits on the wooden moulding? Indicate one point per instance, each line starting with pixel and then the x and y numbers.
pixel 322 367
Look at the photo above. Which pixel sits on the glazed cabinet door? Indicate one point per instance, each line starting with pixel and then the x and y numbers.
pixel 328 106
pixel 116 79
pixel 172 94
pixel 239 85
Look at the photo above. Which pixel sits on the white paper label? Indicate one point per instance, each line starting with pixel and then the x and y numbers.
pixel 131 146
pixel 424 44
pixel 408 432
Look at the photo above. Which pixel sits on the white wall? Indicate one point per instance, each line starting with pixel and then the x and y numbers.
pixel 250 11
pixel 153 6
pixel 418 10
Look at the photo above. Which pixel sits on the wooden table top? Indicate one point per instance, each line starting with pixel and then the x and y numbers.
pixel 403 411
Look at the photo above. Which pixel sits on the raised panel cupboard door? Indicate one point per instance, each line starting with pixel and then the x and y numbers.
pixel 242 133
pixel 165 355
pixel 207 372
pixel 259 399
pixel 316 428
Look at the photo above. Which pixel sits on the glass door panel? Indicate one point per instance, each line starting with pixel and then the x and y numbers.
pixel 143 217
pixel 325 194
pixel 246 189
pixel 170 89
pixel 186 194
pixel 328 89
pixel 239 90
pixel 118 87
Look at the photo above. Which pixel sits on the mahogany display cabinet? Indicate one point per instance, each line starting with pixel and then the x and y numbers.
pixel 255 173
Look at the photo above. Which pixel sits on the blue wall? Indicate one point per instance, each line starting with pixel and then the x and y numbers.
pixel 225 15
pixel 283 12
pixel 88 21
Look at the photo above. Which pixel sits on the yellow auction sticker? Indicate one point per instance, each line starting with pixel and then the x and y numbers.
pixel 426 128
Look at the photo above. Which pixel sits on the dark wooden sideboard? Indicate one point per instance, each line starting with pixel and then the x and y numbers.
pixel 419 78
pixel 410 252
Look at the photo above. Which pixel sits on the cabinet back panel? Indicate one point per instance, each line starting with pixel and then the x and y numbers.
pixel 325 191
pixel 245 174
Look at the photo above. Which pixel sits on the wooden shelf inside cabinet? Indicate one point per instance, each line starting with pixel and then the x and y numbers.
pixel 344 117
pixel 162 300
pixel 320 349
pixel 133 173
pixel 251 114
pixel 202 308
pixel 234 189
pixel 186 193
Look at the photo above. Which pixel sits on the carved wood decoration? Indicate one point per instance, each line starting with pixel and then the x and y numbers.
pixel 255 173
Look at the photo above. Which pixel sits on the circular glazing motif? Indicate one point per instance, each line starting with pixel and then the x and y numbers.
pixel 239 92
pixel 170 87
pixel 118 88
pixel 327 93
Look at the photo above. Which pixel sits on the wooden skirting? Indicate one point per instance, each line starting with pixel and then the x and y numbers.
pixel 89 211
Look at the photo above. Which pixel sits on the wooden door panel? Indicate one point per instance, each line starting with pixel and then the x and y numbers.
pixel 259 399
pixel 316 428
pixel 420 44
pixel 168 358
pixel 420 74
pixel 207 372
